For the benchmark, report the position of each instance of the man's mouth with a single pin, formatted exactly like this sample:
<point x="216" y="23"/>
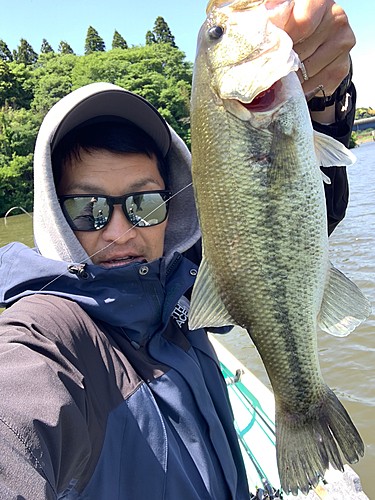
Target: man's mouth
<point x="120" y="261"/>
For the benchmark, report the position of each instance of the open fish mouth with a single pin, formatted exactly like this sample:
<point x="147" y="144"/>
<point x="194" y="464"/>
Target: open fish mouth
<point x="265" y="100"/>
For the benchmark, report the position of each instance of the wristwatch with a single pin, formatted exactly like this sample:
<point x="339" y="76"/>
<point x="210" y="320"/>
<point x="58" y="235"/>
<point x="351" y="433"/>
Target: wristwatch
<point x="321" y="103"/>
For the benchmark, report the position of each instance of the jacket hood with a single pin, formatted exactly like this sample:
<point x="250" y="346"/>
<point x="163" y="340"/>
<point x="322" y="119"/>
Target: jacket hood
<point x="53" y="236"/>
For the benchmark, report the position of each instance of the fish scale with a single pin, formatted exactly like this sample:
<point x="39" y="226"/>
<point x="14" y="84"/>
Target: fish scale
<point x="261" y="207"/>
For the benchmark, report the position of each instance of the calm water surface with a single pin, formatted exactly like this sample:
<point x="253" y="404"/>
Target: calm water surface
<point x="348" y="364"/>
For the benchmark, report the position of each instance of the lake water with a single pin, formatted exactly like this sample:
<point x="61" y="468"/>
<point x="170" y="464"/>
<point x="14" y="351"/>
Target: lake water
<point x="348" y="364"/>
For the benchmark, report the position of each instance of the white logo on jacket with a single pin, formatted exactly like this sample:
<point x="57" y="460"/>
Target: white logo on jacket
<point x="181" y="311"/>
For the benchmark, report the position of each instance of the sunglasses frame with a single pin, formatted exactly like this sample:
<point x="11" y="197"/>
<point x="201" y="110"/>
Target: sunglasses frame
<point x="111" y="201"/>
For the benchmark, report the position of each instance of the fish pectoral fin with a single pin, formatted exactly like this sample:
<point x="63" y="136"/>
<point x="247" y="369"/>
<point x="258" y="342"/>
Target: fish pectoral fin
<point x="344" y="306"/>
<point x="331" y="153"/>
<point x="206" y="307"/>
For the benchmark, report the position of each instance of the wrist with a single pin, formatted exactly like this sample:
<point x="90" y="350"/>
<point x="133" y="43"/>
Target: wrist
<point x="328" y="109"/>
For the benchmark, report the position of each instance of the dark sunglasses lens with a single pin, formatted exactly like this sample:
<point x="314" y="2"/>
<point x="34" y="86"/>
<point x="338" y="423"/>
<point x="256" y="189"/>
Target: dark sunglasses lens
<point x="86" y="213"/>
<point x="147" y="209"/>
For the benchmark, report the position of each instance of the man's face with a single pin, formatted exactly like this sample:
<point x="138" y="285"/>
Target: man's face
<point x="102" y="172"/>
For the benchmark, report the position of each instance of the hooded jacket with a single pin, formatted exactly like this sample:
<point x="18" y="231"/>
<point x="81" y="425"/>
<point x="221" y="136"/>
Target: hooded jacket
<point x="105" y="393"/>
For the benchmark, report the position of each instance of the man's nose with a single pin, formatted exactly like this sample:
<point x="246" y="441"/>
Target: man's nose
<point x="119" y="228"/>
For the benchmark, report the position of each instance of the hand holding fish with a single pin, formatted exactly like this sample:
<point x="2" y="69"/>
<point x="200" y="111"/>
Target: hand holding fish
<point x="322" y="38"/>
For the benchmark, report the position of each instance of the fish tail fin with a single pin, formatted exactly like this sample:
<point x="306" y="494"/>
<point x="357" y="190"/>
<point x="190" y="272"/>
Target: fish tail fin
<point x="306" y="444"/>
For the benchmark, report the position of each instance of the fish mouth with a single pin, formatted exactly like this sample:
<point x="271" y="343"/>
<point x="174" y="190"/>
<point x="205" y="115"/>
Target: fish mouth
<point x="265" y="100"/>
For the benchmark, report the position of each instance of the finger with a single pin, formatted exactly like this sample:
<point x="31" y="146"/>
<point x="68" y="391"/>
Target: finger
<point x="325" y="54"/>
<point x="329" y="64"/>
<point x="330" y="76"/>
<point x="334" y="26"/>
<point x="328" y="55"/>
<point x="307" y="15"/>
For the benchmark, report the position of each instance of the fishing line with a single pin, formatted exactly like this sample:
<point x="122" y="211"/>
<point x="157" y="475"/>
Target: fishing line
<point x="85" y="261"/>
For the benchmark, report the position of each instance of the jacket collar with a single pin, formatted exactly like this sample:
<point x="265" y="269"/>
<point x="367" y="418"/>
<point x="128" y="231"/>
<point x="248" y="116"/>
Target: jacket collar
<point x="138" y="297"/>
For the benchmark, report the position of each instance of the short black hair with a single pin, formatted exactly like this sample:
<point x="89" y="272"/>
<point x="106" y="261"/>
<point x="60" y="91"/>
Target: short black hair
<point x="117" y="136"/>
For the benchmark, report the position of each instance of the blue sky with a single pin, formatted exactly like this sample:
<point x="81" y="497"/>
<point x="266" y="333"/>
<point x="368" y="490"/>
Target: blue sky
<point x="69" y="19"/>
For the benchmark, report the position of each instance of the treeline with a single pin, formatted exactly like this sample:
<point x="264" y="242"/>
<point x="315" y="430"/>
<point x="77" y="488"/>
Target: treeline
<point x="358" y="136"/>
<point x="30" y="84"/>
<point x="24" y="53"/>
<point x="364" y="113"/>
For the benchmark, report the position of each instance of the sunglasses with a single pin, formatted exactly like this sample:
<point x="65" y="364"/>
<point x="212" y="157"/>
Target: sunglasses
<point x="92" y="212"/>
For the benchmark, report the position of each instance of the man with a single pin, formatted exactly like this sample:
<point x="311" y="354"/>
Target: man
<point x="105" y="393"/>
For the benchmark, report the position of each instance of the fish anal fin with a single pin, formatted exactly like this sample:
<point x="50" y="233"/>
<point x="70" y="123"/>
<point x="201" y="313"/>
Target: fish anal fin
<point x="206" y="308"/>
<point x="344" y="306"/>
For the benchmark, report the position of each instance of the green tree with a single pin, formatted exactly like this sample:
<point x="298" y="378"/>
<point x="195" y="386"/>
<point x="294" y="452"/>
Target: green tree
<point x="18" y="131"/>
<point x="157" y="72"/>
<point x="150" y="38"/>
<point x="353" y="141"/>
<point x="5" y="53"/>
<point x="7" y="83"/>
<point x="162" y="32"/>
<point x="16" y="183"/>
<point x="25" y="53"/>
<point x="16" y="87"/>
<point x="65" y="48"/>
<point x="118" y="41"/>
<point x="52" y="79"/>
<point x="25" y="84"/>
<point x="364" y="113"/>
<point x="46" y="47"/>
<point x="93" y="43"/>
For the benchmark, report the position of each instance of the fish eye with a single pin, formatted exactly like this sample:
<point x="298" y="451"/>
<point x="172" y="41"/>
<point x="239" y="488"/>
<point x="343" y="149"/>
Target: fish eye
<point x="215" y="32"/>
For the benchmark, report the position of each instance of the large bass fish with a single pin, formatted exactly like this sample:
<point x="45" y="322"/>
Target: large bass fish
<point x="260" y="198"/>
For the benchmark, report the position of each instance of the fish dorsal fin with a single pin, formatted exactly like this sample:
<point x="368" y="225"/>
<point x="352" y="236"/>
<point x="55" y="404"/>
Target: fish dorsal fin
<point x="344" y="306"/>
<point x="332" y="153"/>
<point x="206" y="308"/>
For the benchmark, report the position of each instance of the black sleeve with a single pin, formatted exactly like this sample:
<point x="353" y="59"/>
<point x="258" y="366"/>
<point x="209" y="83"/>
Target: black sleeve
<point x="44" y="435"/>
<point x="337" y="193"/>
